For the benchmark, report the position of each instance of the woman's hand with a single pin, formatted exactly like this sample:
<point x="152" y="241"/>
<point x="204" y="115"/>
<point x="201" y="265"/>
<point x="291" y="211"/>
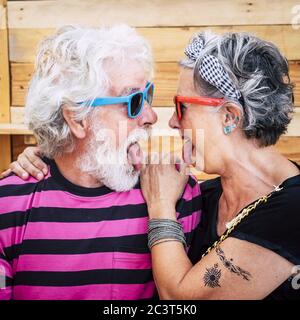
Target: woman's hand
<point x="28" y="163"/>
<point x="162" y="185"/>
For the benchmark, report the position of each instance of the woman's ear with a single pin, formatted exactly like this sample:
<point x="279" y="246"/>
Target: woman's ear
<point x="78" y="128"/>
<point x="231" y="115"/>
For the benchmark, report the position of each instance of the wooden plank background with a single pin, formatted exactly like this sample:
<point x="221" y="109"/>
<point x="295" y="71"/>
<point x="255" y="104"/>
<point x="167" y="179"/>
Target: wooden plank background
<point x="166" y="77"/>
<point x="154" y="13"/>
<point x="5" y="140"/>
<point x="167" y="25"/>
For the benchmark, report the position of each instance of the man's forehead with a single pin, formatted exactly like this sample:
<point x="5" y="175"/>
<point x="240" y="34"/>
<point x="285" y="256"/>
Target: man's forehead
<point x="127" y="78"/>
<point x="128" y="88"/>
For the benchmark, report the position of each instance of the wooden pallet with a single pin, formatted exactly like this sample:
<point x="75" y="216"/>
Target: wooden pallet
<point x="168" y="25"/>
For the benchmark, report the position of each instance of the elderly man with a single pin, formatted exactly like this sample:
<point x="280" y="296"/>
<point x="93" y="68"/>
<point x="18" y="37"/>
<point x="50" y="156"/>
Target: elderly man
<point x="81" y="233"/>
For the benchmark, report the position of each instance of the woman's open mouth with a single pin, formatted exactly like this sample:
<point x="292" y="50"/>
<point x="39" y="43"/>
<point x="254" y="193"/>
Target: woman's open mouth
<point x="188" y="151"/>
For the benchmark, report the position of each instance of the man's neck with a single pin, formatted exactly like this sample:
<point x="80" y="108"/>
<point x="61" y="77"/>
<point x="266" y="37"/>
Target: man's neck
<point x="67" y="167"/>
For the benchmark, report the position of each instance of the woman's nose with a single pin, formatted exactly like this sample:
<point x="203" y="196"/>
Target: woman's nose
<point x="173" y="122"/>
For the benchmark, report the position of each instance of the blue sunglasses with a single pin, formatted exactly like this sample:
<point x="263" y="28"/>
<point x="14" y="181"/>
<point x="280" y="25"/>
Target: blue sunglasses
<point x="135" y="101"/>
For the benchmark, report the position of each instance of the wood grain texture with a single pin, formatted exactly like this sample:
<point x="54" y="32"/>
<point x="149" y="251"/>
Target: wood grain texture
<point x="5" y="152"/>
<point x="41" y="14"/>
<point x="11" y="128"/>
<point x="166" y="78"/>
<point x="166" y="24"/>
<point x="5" y="141"/>
<point x="4" y="74"/>
<point x="3" y="11"/>
<point x="167" y="43"/>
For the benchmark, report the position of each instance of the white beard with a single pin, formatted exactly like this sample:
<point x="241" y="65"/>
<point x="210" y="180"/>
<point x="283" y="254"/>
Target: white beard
<point x="108" y="164"/>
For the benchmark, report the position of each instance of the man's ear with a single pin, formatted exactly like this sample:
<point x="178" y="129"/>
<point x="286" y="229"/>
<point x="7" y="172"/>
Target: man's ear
<point x="231" y="115"/>
<point x="78" y="128"/>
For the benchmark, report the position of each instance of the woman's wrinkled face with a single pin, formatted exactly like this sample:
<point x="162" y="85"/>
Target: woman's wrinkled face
<point x="200" y="126"/>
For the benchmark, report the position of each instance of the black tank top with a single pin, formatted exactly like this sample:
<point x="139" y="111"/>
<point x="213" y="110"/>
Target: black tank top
<point x="274" y="225"/>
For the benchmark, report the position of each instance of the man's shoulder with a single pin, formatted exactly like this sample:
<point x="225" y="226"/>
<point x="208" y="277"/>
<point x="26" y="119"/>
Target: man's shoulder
<point x="14" y="186"/>
<point x="191" y="197"/>
<point x="192" y="186"/>
<point x="210" y="186"/>
<point x="16" y="199"/>
<point x="192" y="181"/>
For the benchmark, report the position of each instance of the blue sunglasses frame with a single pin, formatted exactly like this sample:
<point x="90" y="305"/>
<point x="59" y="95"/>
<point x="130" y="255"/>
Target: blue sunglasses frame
<point x="99" y="102"/>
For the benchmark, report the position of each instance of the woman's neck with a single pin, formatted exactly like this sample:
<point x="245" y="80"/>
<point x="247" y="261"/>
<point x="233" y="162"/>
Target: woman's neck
<point x="248" y="176"/>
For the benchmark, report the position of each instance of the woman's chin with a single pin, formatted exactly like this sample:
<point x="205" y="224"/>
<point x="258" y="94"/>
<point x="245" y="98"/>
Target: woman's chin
<point x="198" y="163"/>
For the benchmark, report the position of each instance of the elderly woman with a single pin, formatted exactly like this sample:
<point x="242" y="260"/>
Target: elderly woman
<point x="235" y="90"/>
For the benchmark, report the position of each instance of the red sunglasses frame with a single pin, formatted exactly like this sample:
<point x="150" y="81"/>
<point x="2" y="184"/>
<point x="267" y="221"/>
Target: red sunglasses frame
<point x="205" y="101"/>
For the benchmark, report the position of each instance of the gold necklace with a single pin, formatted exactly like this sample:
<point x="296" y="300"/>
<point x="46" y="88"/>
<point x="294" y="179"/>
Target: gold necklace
<point x="236" y="220"/>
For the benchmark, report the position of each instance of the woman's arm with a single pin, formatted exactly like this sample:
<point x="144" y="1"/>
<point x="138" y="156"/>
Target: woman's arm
<point x="236" y="270"/>
<point x="28" y="164"/>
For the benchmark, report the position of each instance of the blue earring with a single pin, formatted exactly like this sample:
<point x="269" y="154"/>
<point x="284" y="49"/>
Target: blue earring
<point x="227" y="129"/>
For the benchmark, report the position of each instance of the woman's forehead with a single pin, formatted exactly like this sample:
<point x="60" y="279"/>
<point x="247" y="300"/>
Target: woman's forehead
<point x="186" y="82"/>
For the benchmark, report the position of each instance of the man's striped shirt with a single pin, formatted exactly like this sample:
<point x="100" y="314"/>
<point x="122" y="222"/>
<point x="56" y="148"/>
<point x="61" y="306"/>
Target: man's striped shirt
<point x="62" y="241"/>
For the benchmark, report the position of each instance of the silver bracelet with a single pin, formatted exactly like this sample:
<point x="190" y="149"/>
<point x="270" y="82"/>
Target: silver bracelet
<point x="161" y="229"/>
<point x="167" y="240"/>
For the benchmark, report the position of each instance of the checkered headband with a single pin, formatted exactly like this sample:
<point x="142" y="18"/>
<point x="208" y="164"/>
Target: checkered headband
<point x="211" y="70"/>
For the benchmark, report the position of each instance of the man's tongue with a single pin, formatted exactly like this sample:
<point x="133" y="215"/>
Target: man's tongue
<point x="135" y="156"/>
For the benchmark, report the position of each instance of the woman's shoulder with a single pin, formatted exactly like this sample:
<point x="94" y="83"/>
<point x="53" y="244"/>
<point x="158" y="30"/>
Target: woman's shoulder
<point x="275" y="224"/>
<point x="289" y="195"/>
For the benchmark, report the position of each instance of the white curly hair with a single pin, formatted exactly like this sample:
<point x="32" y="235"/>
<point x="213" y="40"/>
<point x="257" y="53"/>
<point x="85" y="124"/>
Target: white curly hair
<point x="69" y="68"/>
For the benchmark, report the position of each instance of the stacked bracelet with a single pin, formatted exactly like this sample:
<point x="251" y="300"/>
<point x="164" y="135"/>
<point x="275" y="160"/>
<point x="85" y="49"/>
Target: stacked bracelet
<point x="162" y="230"/>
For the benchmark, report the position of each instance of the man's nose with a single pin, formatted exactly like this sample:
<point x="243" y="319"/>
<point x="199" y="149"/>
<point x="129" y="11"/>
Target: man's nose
<point x="148" y="116"/>
<point x="173" y="122"/>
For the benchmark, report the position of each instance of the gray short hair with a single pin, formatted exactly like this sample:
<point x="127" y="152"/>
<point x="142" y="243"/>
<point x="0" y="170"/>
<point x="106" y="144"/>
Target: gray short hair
<point x="71" y="67"/>
<point x="260" y="72"/>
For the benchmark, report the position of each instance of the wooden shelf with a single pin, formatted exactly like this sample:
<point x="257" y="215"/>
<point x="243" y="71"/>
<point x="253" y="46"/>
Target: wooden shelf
<point x="9" y="128"/>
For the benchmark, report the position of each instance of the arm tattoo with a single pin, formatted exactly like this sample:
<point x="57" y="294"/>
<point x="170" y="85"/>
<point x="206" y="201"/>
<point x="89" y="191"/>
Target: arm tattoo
<point x="212" y="276"/>
<point x="231" y="267"/>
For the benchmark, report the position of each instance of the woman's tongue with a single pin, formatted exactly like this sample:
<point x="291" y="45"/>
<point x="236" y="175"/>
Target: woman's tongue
<point x="187" y="151"/>
<point x="135" y="156"/>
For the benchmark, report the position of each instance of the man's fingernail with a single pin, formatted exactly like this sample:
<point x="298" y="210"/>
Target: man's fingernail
<point x="24" y="175"/>
<point x="45" y="171"/>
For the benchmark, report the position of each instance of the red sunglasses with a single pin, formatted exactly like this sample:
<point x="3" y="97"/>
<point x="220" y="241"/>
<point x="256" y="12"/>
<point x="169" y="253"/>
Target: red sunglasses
<point x="204" y="101"/>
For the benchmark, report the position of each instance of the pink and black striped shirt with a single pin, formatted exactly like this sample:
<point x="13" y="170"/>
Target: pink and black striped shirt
<point x="62" y="241"/>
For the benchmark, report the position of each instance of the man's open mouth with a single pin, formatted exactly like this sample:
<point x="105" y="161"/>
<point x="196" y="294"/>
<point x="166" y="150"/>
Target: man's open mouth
<point x="135" y="155"/>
